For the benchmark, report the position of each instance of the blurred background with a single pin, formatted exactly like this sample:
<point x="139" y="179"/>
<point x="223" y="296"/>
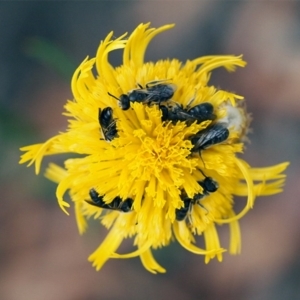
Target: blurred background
<point x="42" y="255"/>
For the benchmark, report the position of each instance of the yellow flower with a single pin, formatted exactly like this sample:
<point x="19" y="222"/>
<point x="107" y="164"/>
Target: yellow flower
<point x="165" y="168"/>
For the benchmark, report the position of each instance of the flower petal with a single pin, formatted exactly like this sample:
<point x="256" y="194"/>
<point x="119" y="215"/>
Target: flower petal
<point x="108" y="246"/>
<point x="138" y="42"/>
<point x="181" y="232"/>
<point x="150" y="263"/>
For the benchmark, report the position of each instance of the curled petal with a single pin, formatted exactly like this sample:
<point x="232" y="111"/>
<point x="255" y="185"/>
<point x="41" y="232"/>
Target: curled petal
<point x="250" y="193"/>
<point x="36" y="153"/>
<point x="269" y="173"/>
<point x="104" y="68"/>
<point x="150" y="263"/>
<point x="138" y="42"/>
<point x="62" y="187"/>
<point x="261" y="189"/>
<point x="80" y="219"/>
<point x="212" y="242"/>
<point x="209" y="63"/>
<point x="85" y="66"/>
<point x="235" y="236"/>
<point x="267" y="189"/>
<point x="180" y="231"/>
<point x="245" y="171"/>
<point x="138" y="252"/>
<point x="105" y="250"/>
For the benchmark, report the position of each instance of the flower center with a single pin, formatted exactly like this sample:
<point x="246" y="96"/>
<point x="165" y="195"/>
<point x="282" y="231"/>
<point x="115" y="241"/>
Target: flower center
<point x="160" y="150"/>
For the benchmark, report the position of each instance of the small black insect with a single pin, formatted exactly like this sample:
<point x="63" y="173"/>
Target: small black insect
<point x="209" y="186"/>
<point x="154" y="92"/>
<point x="107" y="123"/>
<point x="117" y="203"/>
<point x="209" y="136"/>
<point x="199" y="113"/>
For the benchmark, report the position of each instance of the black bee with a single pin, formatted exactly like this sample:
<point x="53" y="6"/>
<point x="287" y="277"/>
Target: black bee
<point x="209" y="136"/>
<point x="155" y="92"/>
<point x="209" y="186"/>
<point x="116" y="204"/>
<point x="107" y="123"/>
<point x="198" y="113"/>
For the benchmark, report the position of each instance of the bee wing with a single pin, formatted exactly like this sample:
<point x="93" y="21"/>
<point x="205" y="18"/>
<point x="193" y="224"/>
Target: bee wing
<point x="200" y="139"/>
<point x="112" y="124"/>
<point x="149" y="94"/>
<point x="217" y="135"/>
<point x="210" y="136"/>
<point x="187" y="116"/>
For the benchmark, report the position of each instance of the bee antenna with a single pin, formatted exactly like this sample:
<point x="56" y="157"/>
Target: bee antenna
<point x="190" y="103"/>
<point x="202" y="173"/>
<point x="113" y="96"/>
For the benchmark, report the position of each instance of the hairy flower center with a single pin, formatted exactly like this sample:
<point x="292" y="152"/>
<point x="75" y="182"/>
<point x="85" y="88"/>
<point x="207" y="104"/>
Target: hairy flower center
<point x="160" y="152"/>
<point x="163" y="153"/>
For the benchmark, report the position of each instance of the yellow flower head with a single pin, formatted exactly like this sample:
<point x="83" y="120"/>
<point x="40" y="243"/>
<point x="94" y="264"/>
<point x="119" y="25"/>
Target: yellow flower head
<point x="158" y="152"/>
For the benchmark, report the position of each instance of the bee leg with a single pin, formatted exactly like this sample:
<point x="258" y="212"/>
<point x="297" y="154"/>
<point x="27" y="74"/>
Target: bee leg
<point x="202" y="206"/>
<point x="189" y="220"/>
<point x="202" y="160"/>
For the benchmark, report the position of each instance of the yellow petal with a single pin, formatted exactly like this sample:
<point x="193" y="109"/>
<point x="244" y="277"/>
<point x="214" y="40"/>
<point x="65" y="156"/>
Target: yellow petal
<point x="138" y="42"/>
<point x="150" y="263"/>
<point x="104" y="251"/>
<point x="180" y="231"/>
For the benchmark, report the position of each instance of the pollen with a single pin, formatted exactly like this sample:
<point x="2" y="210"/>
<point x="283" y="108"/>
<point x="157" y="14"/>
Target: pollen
<point x="158" y="152"/>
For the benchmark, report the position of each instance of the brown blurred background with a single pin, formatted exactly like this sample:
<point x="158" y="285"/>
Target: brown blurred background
<point x="42" y="255"/>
